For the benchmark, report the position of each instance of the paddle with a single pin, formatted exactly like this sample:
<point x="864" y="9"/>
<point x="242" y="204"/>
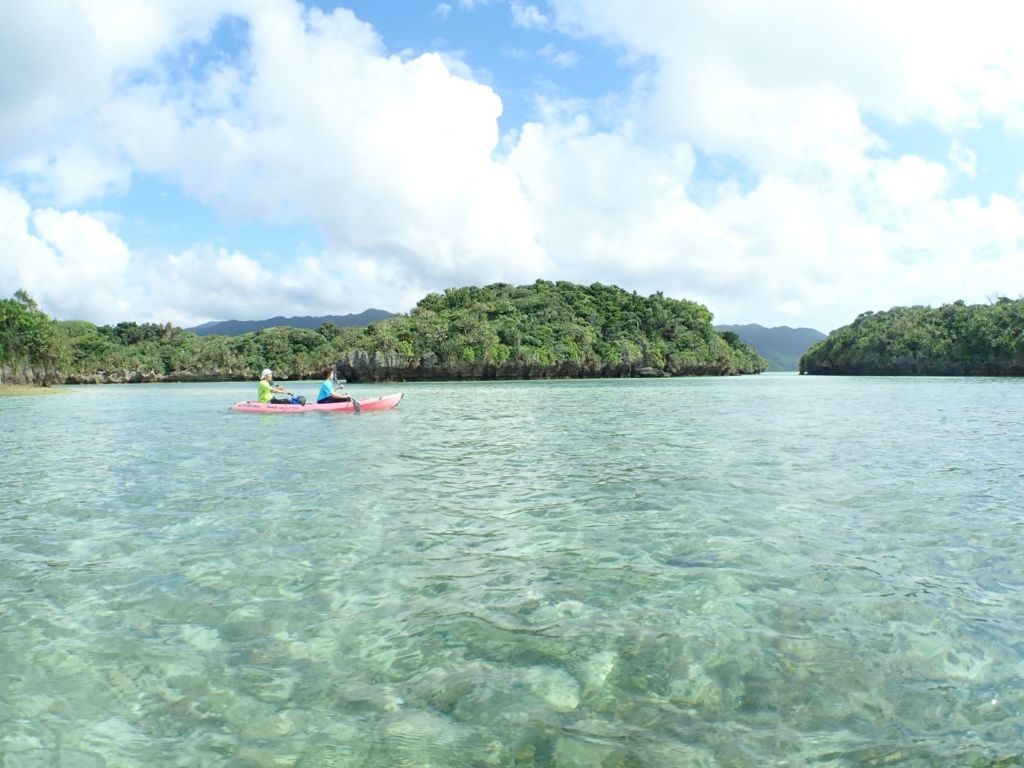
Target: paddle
<point x="355" y="403"/>
<point x="296" y="399"/>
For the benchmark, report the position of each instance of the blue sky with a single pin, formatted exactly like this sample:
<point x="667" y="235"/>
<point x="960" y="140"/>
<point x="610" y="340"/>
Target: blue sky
<point x="518" y="62"/>
<point x="795" y="164"/>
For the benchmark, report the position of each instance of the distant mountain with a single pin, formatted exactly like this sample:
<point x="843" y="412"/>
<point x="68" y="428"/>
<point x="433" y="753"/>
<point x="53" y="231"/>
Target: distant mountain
<point x="782" y="346"/>
<point x="238" y="327"/>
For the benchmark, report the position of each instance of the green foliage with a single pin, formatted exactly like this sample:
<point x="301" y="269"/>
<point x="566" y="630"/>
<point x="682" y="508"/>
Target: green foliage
<point x="328" y="330"/>
<point x="548" y="329"/>
<point x="27" y="335"/>
<point x="953" y="339"/>
<point x="571" y="329"/>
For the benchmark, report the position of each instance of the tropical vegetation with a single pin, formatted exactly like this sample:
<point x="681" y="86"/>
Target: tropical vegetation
<point x="29" y="337"/>
<point x="954" y="339"/>
<point x="547" y="329"/>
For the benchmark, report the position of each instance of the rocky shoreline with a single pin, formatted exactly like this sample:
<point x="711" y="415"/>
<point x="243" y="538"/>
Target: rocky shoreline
<point x="913" y="365"/>
<point x="361" y="366"/>
<point x="29" y="375"/>
<point x="366" y="367"/>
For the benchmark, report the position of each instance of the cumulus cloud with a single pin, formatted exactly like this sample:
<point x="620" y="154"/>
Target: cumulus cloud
<point x="398" y="162"/>
<point x="74" y="174"/>
<point x="386" y="155"/>
<point x="944" y="63"/>
<point x="559" y="58"/>
<point x="71" y="262"/>
<point x="393" y="159"/>
<point x="785" y="90"/>
<point x="77" y="267"/>
<point x="61" y="60"/>
<point x="528" y="16"/>
<point x="792" y="249"/>
<point x="963" y="159"/>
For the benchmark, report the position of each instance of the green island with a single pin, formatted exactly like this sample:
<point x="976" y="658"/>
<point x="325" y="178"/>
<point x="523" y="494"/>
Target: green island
<point x="952" y="340"/>
<point x="543" y="330"/>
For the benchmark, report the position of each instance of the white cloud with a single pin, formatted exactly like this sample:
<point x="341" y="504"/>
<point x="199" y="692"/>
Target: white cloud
<point x="786" y="87"/>
<point x="895" y="186"/>
<point x="564" y="59"/>
<point x="60" y="60"/>
<point x="528" y="16"/>
<point x="77" y="268"/>
<point x="941" y="62"/>
<point x="66" y="260"/>
<point x="785" y="90"/>
<point x="782" y="252"/>
<point x="74" y="174"/>
<point x="206" y="282"/>
<point x="392" y="158"/>
<point x="963" y="159"/>
<point x="443" y="10"/>
<point x="387" y="156"/>
<point x="398" y="162"/>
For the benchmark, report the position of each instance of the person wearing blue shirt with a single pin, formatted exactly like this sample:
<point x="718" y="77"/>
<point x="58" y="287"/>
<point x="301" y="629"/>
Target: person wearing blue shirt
<point x="328" y="390"/>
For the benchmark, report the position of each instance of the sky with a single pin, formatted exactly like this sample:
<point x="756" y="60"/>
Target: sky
<point x="788" y="163"/>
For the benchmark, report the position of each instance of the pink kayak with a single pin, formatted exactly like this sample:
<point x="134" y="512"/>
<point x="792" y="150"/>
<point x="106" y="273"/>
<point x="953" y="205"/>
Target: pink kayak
<point x="369" y="404"/>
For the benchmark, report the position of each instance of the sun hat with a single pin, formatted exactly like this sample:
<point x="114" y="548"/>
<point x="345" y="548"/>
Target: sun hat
<point x="266" y="372"/>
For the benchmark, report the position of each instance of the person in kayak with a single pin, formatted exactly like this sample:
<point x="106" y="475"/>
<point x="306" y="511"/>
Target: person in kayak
<point x="268" y="387"/>
<point x="329" y="390"/>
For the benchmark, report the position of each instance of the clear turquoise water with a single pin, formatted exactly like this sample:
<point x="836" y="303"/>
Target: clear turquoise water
<point x="772" y="570"/>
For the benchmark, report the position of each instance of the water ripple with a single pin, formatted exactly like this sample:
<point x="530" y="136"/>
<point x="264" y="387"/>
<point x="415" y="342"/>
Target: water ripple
<point x="771" y="570"/>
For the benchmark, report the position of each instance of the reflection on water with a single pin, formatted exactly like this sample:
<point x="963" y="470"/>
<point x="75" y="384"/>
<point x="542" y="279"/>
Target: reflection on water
<point x="760" y="571"/>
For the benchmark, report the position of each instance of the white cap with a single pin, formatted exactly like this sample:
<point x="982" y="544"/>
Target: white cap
<point x="266" y="372"/>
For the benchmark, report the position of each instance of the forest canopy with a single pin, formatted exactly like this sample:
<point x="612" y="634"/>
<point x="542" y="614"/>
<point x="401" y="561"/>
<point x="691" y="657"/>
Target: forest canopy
<point x="546" y="329"/>
<point x="954" y="339"/>
<point x="28" y="335"/>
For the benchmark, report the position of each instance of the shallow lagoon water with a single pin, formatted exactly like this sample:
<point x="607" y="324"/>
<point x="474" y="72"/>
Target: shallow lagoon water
<point x="772" y="570"/>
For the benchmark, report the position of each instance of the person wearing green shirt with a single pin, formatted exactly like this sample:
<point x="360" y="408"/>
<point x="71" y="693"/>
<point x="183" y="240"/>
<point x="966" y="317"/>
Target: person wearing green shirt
<point x="267" y="388"/>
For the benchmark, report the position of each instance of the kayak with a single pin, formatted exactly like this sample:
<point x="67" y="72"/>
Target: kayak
<point x="384" y="403"/>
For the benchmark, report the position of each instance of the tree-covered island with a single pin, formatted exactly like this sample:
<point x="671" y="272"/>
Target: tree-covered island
<point x="543" y="330"/>
<point x="952" y="340"/>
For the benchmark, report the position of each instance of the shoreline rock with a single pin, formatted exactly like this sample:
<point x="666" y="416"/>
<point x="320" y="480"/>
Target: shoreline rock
<point x="914" y="365"/>
<point x="360" y="366"/>
<point x="29" y="375"/>
<point x="375" y="367"/>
